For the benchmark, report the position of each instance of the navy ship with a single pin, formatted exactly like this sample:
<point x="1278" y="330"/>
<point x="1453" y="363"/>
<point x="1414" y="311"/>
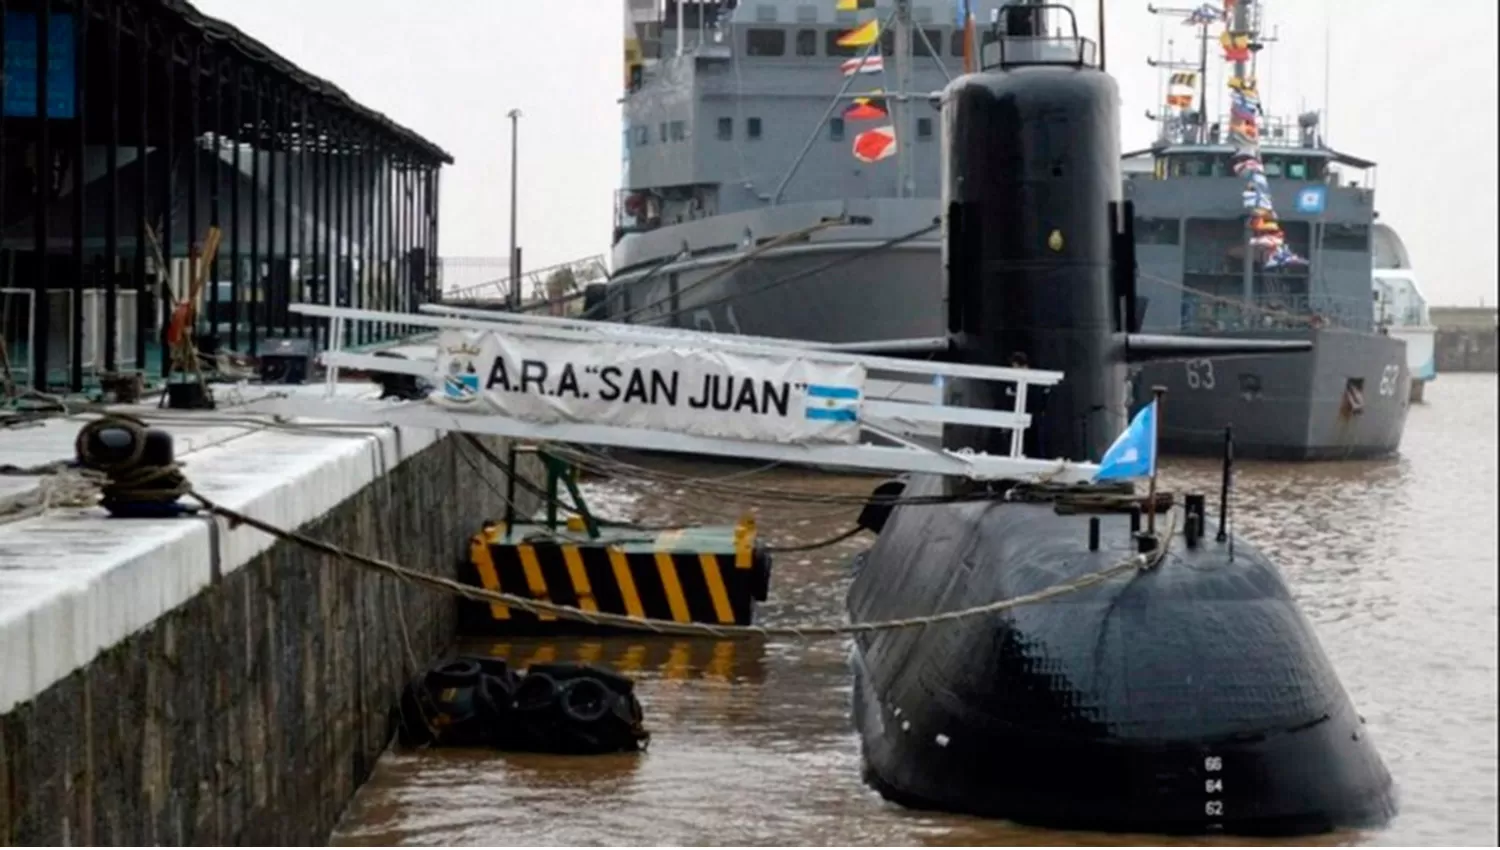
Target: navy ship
<point x="1254" y="225"/>
<point x="1189" y="695"/>
<point x="749" y="206"/>
<point x="780" y="173"/>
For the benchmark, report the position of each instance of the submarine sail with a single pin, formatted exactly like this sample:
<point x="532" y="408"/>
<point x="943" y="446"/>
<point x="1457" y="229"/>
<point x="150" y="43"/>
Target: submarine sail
<point x="1192" y="697"/>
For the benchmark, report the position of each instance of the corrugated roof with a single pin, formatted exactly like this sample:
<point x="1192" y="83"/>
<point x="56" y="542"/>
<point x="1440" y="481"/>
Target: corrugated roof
<point x="226" y="34"/>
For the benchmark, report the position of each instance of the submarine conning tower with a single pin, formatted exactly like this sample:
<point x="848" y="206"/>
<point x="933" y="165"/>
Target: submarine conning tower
<point x="1038" y="248"/>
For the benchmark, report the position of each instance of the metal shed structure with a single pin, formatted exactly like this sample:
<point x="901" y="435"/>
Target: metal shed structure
<point x="159" y="123"/>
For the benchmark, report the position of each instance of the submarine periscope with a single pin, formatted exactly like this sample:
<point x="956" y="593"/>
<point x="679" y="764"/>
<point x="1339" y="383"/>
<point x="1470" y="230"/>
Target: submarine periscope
<point x="1191" y="697"/>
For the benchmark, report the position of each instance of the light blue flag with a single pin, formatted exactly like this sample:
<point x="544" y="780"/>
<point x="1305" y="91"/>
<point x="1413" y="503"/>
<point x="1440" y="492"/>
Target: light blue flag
<point x="1133" y="454"/>
<point x="960" y="13"/>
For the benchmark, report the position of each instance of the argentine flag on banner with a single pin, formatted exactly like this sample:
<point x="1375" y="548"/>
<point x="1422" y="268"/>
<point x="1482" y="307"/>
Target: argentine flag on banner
<point x="1133" y="454"/>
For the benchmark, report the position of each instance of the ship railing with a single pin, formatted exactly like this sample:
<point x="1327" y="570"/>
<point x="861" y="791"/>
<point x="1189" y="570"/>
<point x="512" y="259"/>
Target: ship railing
<point x="825" y="423"/>
<point x="474" y="279"/>
<point x="1006" y="50"/>
<point x="1207" y="312"/>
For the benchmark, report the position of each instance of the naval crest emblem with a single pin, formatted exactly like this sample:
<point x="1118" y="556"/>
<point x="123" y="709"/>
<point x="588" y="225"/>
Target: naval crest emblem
<point x="458" y="369"/>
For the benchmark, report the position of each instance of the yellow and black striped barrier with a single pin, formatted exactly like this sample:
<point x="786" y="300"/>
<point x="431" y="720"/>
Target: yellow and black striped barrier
<point x="705" y="574"/>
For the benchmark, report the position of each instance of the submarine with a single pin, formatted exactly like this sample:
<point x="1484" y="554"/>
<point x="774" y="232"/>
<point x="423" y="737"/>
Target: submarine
<point x="1189" y="698"/>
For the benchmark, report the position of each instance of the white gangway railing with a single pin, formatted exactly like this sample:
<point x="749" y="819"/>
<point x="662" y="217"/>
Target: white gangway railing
<point x="547" y="378"/>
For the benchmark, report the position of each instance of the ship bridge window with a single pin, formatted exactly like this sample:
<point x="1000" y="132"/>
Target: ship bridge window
<point x="726" y="128"/>
<point x="807" y="42"/>
<point x="642" y="135"/>
<point x="1346" y="237"/>
<point x="1275" y="166"/>
<point x="752" y="127"/>
<point x="831" y="46"/>
<point x="835" y="129"/>
<point x="1200" y="165"/>
<point x="679" y="131"/>
<point x="763" y="41"/>
<point x="1157" y="231"/>
<point x="924" y="128"/>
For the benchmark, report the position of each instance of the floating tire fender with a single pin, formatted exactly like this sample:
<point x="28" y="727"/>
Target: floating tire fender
<point x="537" y="692"/>
<point x="586" y="700"/>
<point x="459" y="673"/>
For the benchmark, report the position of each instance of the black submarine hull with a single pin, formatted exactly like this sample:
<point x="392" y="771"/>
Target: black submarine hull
<point x="1190" y="698"/>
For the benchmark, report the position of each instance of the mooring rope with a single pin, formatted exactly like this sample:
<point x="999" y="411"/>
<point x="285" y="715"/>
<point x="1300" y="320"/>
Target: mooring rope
<point x="132" y="479"/>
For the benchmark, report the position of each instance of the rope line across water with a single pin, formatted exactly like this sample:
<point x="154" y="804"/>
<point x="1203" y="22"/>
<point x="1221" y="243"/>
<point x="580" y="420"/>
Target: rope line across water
<point x="132" y="480"/>
<point x="1135" y="563"/>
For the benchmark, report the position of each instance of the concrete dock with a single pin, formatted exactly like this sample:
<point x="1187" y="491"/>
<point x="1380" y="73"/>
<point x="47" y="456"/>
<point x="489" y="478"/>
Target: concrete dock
<point x="179" y="681"/>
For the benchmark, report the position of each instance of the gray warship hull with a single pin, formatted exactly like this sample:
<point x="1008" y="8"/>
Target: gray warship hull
<point x="1346" y="399"/>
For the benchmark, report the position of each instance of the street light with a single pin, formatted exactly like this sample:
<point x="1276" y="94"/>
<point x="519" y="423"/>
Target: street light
<point x="515" y="257"/>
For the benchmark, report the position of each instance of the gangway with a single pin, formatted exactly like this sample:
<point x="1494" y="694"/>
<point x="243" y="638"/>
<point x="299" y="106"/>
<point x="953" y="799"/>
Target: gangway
<point x="545" y="378"/>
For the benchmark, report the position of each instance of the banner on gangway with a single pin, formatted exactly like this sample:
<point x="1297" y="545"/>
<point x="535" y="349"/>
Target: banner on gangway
<point x="666" y="387"/>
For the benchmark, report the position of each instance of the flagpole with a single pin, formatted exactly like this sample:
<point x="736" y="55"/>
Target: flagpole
<point x="1159" y="392"/>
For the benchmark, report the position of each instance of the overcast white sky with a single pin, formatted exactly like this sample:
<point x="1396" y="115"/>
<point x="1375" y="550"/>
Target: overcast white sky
<point x="1412" y="89"/>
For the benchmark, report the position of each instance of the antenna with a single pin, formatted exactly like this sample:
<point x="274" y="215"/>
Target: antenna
<point x="1225" y="481"/>
<point x="1201" y="66"/>
<point x="1327" y="63"/>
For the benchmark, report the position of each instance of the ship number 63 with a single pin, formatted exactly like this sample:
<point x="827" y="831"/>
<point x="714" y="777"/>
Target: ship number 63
<point x="1200" y="374"/>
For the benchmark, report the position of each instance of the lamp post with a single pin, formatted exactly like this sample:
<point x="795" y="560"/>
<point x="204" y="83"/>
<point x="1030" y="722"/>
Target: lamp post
<point x="515" y="258"/>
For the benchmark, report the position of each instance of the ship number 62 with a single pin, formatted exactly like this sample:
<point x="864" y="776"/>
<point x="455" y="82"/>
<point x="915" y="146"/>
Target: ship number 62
<point x="1388" y="379"/>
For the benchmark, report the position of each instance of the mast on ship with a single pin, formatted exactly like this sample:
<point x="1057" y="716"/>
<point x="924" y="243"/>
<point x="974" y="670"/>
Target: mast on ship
<point x="900" y="112"/>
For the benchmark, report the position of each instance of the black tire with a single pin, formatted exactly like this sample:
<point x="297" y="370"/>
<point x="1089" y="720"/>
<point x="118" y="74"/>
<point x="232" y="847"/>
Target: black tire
<point x="496" y="696"/>
<point x="585" y="701"/>
<point x="496" y="667"/>
<point x="628" y="709"/>
<point x="459" y="673"/>
<point x="566" y="672"/>
<point x="536" y="693"/>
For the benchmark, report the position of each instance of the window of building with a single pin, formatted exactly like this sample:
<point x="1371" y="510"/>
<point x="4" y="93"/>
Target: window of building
<point x="807" y="42"/>
<point x="761" y="41"/>
<point x="1157" y="231"/>
<point x="924" y="128"/>
<point x="1346" y="237"/>
<point x="679" y="131"/>
<point x="831" y="44"/>
<point x="835" y="129"/>
<point x="752" y="127"/>
<point x="726" y="128"/>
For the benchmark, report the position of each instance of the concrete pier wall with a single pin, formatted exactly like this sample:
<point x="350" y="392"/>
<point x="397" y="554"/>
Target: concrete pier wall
<point x="251" y="710"/>
<point x="1467" y="350"/>
<point x="1466" y="339"/>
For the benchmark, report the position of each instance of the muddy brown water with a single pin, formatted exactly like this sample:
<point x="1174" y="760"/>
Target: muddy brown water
<point x="1394" y="561"/>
